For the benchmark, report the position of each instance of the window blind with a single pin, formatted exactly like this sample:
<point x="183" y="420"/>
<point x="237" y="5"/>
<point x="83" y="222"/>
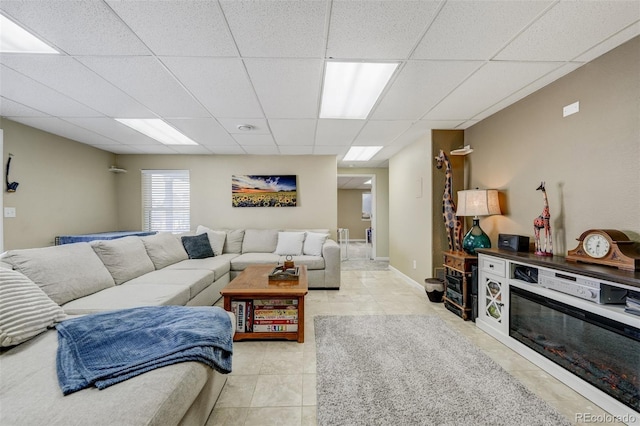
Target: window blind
<point x="166" y="200"/>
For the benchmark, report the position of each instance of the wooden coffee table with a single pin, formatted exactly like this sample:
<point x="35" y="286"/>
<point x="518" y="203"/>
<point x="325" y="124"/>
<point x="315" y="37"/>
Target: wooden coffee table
<point x="253" y="284"/>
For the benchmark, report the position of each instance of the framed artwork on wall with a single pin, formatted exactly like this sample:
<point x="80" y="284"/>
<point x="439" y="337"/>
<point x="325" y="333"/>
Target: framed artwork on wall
<point x="264" y="191"/>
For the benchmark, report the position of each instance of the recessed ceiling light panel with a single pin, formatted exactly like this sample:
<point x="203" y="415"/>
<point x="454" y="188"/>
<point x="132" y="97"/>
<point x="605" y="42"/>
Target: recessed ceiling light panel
<point x="157" y="129"/>
<point x="15" y="39"/>
<point x="351" y="89"/>
<point x="361" y="153"/>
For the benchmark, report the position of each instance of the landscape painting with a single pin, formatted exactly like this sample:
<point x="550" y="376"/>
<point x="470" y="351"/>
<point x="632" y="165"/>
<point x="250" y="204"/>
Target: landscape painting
<point x="263" y="190"/>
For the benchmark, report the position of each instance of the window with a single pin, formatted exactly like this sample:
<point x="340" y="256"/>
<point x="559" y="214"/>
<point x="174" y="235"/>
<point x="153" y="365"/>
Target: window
<point x="166" y="200"/>
<point x="366" y="206"/>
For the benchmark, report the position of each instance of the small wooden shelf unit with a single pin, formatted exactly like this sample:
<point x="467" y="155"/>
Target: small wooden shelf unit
<point x="457" y="269"/>
<point x="254" y="284"/>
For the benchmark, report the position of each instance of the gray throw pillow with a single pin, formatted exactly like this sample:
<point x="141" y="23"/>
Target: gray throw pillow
<point x="198" y="246"/>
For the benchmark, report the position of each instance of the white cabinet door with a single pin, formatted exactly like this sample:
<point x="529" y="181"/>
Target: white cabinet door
<point x="493" y="294"/>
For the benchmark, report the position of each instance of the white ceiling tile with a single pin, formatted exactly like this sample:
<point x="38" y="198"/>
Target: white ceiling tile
<point x="205" y="131"/>
<point x="10" y="108"/>
<point x="476" y="29"/>
<point x="111" y="128"/>
<point x="293" y="132"/>
<point x="227" y="150"/>
<point x="161" y="26"/>
<point x="421" y="85"/>
<point x="287" y="88"/>
<point x="337" y="132"/>
<point x="418" y="130"/>
<point x="490" y="84"/>
<point x="377" y="30"/>
<point x="260" y="126"/>
<point x="277" y="29"/>
<point x="146" y="80"/>
<point x="254" y="140"/>
<point x="330" y="149"/>
<point x="610" y="43"/>
<point x="571" y="28"/>
<point x="23" y="90"/>
<point x="222" y="85"/>
<point x="527" y="90"/>
<point x="156" y="149"/>
<point x="76" y="27"/>
<point x="120" y="149"/>
<point x="442" y="124"/>
<point x="65" y="129"/>
<point x="66" y="75"/>
<point x="295" y="150"/>
<point x="380" y="133"/>
<point x="468" y="124"/>
<point x="261" y="150"/>
<point x="191" y="149"/>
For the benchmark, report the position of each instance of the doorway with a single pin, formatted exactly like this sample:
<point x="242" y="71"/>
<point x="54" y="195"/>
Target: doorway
<point x="357" y="216"/>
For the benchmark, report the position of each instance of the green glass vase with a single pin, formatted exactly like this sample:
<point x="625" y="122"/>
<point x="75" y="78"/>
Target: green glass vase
<point x="475" y="238"/>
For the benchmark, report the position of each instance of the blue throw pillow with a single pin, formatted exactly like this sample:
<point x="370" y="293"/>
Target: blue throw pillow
<point x="198" y="247"/>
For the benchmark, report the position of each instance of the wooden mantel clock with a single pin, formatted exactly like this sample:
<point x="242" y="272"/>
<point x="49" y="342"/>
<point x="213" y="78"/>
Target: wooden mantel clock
<point x="606" y="247"/>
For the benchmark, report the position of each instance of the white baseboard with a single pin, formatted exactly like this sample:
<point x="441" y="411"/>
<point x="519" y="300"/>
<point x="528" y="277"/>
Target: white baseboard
<point x="408" y="279"/>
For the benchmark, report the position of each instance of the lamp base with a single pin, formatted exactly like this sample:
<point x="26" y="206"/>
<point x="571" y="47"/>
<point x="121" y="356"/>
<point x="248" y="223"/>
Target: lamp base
<point x="475" y="239"/>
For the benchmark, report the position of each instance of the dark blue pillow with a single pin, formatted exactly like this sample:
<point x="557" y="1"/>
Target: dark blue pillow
<point x="198" y="246"/>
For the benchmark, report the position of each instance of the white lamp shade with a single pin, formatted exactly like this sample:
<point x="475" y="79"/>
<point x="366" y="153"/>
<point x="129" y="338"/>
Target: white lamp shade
<point x="478" y="202"/>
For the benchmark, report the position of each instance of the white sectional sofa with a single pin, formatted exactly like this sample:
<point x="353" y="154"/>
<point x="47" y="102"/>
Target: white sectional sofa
<point x="98" y="276"/>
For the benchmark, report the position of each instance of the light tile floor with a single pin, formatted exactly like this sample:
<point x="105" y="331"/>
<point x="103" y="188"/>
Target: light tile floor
<point x="274" y="382"/>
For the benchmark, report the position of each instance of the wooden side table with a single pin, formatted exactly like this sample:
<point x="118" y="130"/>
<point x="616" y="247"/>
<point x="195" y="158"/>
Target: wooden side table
<point x="458" y="269"/>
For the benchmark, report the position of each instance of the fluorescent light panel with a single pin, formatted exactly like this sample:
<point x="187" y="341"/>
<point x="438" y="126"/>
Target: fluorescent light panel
<point x="351" y="89"/>
<point x="15" y="39"/>
<point x="158" y="130"/>
<point x="361" y="153"/>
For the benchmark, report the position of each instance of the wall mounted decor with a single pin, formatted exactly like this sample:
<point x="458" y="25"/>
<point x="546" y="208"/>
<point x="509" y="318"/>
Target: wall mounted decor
<point x="11" y="186"/>
<point x="264" y="191"/>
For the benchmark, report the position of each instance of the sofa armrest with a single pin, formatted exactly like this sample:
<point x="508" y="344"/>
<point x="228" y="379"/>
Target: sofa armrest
<point x="331" y="254"/>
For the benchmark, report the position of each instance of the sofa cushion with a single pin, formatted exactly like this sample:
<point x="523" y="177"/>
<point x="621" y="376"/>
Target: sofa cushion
<point x="290" y="243"/>
<point x="49" y="268"/>
<point x="260" y="241"/>
<point x="313" y="243"/>
<point x="194" y="279"/>
<point x="164" y="249"/>
<point x="128" y="296"/>
<point x="241" y="262"/>
<point x="198" y="246"/>
<point x="216" y="238"/>
<point x="233" y="242"/>
<point x="25" y="310"/>
<point x="219" y="265"/>
<point x="31" y="394"/>
<point x="125" y="258"/>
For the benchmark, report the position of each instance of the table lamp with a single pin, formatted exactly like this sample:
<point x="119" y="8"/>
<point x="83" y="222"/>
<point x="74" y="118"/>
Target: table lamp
<point x="477" y="202"/>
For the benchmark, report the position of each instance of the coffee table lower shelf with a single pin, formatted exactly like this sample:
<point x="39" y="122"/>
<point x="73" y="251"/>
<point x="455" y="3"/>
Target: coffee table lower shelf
<point x="264" y="335"/>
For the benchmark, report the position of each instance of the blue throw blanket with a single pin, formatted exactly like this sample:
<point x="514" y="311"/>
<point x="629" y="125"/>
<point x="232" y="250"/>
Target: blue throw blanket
<point x="104" y="349"/>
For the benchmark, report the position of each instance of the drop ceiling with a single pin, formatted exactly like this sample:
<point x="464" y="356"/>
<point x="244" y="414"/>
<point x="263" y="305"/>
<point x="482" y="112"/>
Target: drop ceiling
<point x="207" y="67"/>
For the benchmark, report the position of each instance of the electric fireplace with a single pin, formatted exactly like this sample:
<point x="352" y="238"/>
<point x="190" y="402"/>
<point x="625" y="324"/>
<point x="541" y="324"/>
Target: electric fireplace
<point x="602" y="352"/>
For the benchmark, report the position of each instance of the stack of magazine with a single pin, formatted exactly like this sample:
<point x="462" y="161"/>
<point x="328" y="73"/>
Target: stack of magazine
<point x="633" y="302"/>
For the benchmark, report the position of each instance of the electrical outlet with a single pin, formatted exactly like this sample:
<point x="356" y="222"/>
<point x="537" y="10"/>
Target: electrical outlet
<point x="415" y="264"/>
<point x="9" y="212"/>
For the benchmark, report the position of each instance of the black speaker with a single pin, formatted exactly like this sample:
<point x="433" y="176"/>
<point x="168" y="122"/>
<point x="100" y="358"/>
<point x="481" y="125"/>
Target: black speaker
<point x="513" y="242"/>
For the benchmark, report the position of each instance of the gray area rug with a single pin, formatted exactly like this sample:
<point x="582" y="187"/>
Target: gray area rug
<point x="414" y="370"/>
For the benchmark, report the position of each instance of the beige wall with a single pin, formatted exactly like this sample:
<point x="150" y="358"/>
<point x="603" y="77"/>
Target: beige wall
<point x="211" y="190"/>
<point x="350" y="213"/>
<point x="411" y="209"/>
<point x="590" y="161"/>
<point x="65" y="187"/>
<point x="380" y="221"/>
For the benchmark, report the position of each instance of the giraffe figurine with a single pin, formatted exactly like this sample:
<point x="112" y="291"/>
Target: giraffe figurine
<point x="452" y="224"/>
<point x="543" y="222"/>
